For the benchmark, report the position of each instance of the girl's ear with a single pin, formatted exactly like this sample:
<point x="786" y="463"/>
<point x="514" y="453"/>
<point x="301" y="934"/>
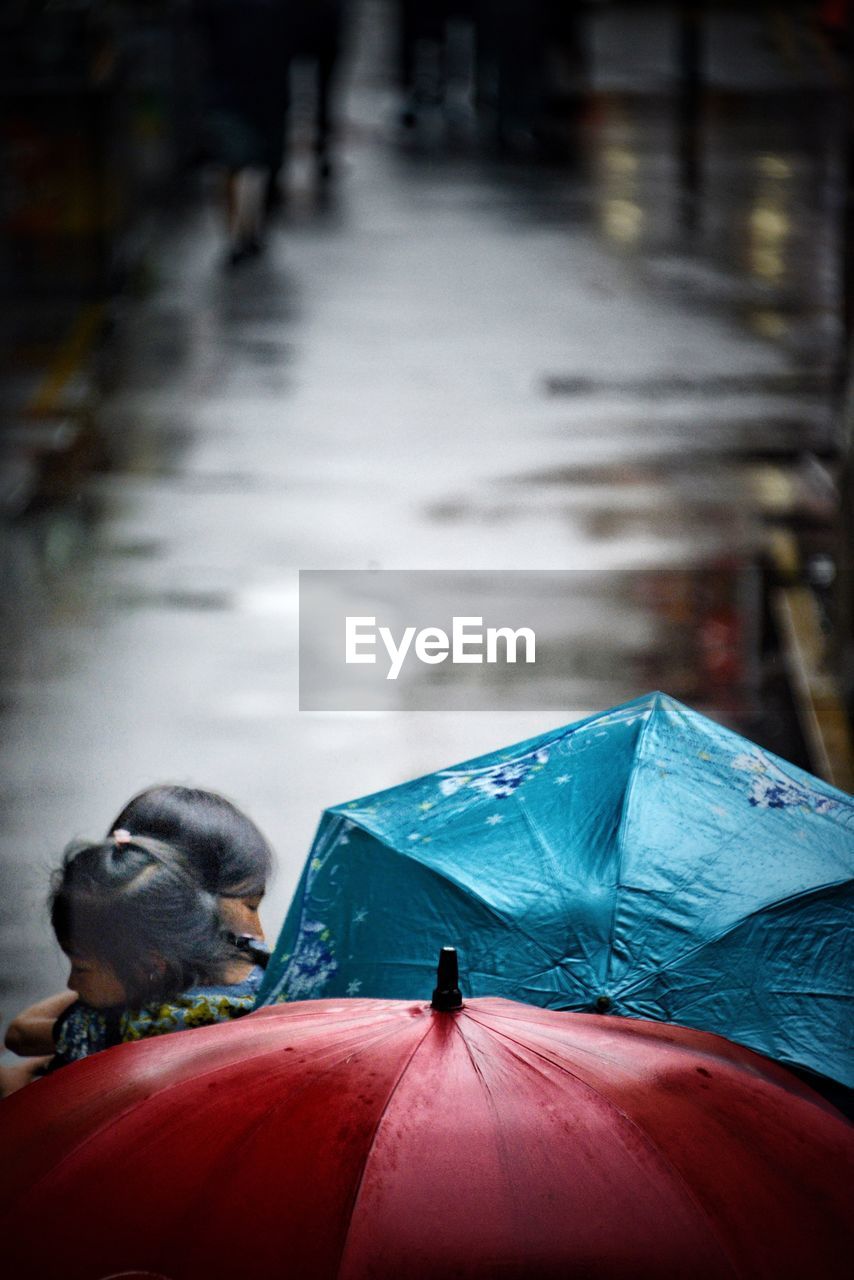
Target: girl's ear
<point x="155" y="966"/>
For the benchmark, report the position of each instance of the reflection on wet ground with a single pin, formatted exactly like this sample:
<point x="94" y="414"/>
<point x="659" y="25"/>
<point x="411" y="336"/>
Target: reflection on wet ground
<point x="462" y="365"/>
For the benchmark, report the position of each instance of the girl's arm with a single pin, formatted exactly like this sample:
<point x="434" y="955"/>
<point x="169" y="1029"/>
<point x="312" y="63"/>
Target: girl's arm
<point x="31" y="1033"/>
<point x="14" y="1078"/>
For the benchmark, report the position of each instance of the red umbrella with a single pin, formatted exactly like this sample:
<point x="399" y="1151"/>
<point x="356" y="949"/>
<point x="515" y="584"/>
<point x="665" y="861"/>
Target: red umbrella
<point x="356" y="1138"/>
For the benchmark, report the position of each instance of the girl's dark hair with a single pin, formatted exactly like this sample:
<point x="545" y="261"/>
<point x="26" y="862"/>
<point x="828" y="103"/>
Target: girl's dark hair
<point x="224" y="847"/>
<point x="138" y="907"/>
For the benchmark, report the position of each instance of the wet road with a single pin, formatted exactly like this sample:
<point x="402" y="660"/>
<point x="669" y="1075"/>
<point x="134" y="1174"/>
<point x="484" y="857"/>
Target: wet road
<point x="455" y="364"/>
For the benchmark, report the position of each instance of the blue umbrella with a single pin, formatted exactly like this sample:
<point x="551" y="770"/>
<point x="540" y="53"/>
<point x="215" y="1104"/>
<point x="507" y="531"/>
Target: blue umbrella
<point x="644" y="862"/>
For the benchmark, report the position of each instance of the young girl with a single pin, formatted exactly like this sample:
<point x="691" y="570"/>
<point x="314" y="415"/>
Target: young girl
<point x="227" y="851"/>
<point x="147" y="953"/>
<point x="228" y="855"/>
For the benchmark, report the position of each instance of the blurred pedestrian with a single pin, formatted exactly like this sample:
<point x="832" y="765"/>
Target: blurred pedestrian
<point x="427" y="59"/>
<point x="247" y="57"/>
<point x="421" y="37"/>
<point x="531" y="60"/>
<point x="316" y="29"/>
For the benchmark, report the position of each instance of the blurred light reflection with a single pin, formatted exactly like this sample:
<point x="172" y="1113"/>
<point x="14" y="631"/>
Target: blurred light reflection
<point x="769" y="223"/>
<point x="622" y="217"/>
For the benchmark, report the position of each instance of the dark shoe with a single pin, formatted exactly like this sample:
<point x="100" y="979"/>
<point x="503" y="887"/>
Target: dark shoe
<point x="242" y="251"/>
<point x="274" y="197"/>
<point x="234" y="257"/>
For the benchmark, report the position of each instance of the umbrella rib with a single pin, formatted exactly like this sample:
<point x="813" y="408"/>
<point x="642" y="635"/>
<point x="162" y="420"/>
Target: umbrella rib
<point x="280" y="983"/>
<point x="441" y="819"/>
<point x="129" y="1109"/>
<point x="550" y="857"/>
<point x="189" y="1081"/>
<point x="264" y="1120"/>
<point x="621" y="837"/>
<point x="467" y="890"/>
<point x="741" y="834"/>
<point x="689" y="876"/>
<point x="357" y="1190"/>
<point x="507" y="1151"/>
<point x="596" y="1054"/>
<point x="644" y="1136"/>
<point x="648" y="977"/>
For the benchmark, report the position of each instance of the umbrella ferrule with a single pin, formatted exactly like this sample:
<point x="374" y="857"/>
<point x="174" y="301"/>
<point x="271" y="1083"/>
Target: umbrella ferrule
<point x="447" y="995"/>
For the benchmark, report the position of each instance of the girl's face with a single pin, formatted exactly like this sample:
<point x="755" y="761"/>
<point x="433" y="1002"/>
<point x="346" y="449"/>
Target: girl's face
<point x="95" y="982"/>
<point x="239" y="913"/>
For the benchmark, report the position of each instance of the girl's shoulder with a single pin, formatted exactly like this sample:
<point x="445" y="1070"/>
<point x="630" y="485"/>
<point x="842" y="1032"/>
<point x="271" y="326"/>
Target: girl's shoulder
<point x="197" y="1007"/>
<point x="83" y="1030"/>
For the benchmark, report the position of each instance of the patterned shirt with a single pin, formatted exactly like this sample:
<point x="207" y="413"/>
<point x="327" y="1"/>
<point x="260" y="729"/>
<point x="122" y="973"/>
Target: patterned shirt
<point x="83" y="1030"/>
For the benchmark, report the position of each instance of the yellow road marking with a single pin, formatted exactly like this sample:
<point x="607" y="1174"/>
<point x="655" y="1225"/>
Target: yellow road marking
<point x="68" y="359"/>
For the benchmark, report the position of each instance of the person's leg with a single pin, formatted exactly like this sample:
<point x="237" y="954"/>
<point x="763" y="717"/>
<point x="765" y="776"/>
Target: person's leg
<point x="239" y="220"/>
<point x="326" y="66"/>
<point x="247" y="226"/>
<point x="231" y="203"/>
<point x="277" y="147"/>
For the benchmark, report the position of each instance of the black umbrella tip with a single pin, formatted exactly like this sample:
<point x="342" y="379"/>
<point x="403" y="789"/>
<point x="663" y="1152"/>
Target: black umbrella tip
<point x="447" y="995"/>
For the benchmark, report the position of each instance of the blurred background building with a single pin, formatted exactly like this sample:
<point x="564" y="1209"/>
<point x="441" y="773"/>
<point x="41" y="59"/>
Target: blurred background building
<point x="542" y="285"/>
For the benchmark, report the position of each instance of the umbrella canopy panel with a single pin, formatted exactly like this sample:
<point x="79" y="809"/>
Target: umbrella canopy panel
<point x="645" y="861"/>
<point x="365" y="1138"/>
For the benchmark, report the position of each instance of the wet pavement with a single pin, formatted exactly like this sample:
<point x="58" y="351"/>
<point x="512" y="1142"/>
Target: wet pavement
<point x="453" y="363"/>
